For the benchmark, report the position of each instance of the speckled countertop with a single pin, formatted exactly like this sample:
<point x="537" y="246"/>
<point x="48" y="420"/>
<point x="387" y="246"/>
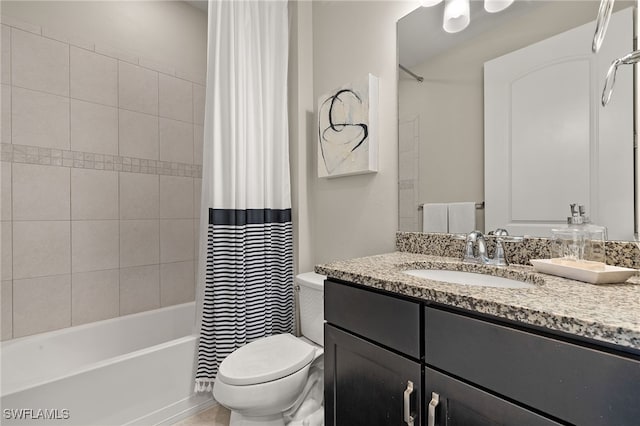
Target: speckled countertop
<point x="608" y="312"/>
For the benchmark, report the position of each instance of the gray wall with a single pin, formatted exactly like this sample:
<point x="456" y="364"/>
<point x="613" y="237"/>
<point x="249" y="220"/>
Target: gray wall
<point x="356" y="215"/>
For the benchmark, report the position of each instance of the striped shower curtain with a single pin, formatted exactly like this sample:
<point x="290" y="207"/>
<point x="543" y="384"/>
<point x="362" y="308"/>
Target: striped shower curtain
<point x="246" y="243"/>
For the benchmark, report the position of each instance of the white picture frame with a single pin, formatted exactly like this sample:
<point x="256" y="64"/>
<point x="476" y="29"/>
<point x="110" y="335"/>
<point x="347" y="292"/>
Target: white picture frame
<point x="348" y="129"/>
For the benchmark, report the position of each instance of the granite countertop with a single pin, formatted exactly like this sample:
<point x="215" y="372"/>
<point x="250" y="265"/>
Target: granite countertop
<point x="608" y="312"/>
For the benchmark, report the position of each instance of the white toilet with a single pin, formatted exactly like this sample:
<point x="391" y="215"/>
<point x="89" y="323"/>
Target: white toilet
<point x="262" y="380"/>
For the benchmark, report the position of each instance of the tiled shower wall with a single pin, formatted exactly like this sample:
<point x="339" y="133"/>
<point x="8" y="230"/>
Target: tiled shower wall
<point x="101" y="177"/>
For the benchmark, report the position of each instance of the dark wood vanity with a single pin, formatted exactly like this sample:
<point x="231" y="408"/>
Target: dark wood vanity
<point x="392" y="359"/>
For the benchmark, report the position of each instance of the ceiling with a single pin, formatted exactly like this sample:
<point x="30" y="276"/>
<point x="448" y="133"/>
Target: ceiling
<point x="198" y="4"/>
<point x="420" y="33"/>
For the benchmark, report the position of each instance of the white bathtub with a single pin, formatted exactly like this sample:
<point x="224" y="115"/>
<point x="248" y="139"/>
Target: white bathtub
<point x="136" y="369"/>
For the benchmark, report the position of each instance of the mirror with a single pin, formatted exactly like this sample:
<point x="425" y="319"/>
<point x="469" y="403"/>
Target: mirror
<point x="442" y="119"/>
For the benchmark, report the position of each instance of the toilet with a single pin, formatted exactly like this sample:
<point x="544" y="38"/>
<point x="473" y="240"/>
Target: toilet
<point x="274" y="381"/>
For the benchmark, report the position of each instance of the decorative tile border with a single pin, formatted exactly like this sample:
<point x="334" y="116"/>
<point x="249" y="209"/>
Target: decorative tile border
<point x="87" y="160"/>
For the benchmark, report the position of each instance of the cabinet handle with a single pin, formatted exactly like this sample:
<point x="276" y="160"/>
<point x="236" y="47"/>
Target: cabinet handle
<point x="408" y="418"/>
<point x="435" y="400"/>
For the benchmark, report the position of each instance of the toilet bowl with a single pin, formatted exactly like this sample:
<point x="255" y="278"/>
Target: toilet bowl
<point x="261" y="380"/>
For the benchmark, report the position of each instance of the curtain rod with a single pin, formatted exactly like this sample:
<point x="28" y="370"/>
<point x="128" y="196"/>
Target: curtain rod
<point x="411" y="73"/>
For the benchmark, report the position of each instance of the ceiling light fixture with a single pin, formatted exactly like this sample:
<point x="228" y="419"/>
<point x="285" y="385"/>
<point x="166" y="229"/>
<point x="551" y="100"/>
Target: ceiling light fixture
<point x="456" y="15"/>
<point x="493" y="6"/>
<point x="429" y="3"/>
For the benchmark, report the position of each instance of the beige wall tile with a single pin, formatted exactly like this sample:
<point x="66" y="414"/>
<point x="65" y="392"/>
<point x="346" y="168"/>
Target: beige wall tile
<point x="176" y="141"/>
<point x="94" y="194"/>
<point x="176" y="98"/>
<point x="5" y="41"/>
<point x="6" y="305"/>
<point x="41" y="248"/>
<point x="139" y="243"/>
<point x="164" y="68"/>
<point x="41" y="304"/>
<point x="137" y="88"/>
<point x="39" y="63"/>
<point x="138" y="135"/>
<point x="18" y="23"/>
<point x="196" y="244"/>
<point x="176" y="197"/>
<point x="118" y="53"/>
<point x="6" y="250"/>
<point x="139" y="289"/>
<point x="177" y="283"/>
<point x="199" y="96"/>
<point x="95" y="296"/>
<point x="41" y="192"/>
<point x="39" y="119"/>
<point x="5" y="190"/>
<point x="94" y="245"/>
<point x="198" y="142"/>
<point x="94" y="77"/>
<point x="5" y="94"/>
<point x="139" y="196"/>
<point x="197" y="194"/>
<point x="94" y="128"/>
<point x="176" y="240"/>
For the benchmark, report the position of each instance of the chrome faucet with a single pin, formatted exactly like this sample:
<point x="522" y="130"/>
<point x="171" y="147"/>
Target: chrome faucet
<point x="476" y="239"/>
<point x="499" y="258"/>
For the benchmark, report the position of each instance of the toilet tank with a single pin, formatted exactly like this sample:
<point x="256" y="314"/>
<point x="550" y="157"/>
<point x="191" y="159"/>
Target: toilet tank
<point x="311" y="301"/>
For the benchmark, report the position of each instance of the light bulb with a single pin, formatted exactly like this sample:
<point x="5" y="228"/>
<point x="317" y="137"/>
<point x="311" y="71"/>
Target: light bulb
<point x="429" y="3"/>
<point x="456" y="15"/>
<point x="493" y="6"/>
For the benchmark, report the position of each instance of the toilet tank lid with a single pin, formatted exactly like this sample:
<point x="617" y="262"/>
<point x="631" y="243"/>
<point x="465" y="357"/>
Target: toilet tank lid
<point x="312" y="280"/>
<point x="264" y="360"/>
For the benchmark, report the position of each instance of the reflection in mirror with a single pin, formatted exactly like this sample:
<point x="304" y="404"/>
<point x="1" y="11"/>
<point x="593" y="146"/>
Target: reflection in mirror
<point x="442" y="120"/>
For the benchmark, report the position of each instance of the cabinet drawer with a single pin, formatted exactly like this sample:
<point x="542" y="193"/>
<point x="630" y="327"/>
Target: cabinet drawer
<point x="387" y="320"/>
<point x="573" y="383"/>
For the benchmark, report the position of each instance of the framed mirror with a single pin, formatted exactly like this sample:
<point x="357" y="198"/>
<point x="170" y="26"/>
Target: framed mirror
<point x="551" y="150"/>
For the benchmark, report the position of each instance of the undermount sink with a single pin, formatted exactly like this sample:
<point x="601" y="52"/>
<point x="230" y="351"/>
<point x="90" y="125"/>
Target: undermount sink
<point x="467" y="278"/>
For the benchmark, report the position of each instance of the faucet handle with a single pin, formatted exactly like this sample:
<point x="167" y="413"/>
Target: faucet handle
<point x="499" y="257"/>
<point x="500" y="232"/>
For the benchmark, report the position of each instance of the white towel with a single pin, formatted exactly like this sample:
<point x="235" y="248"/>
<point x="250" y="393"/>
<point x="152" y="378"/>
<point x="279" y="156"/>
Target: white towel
<point x="462" y="217"/>
<point x="434" y="217"/>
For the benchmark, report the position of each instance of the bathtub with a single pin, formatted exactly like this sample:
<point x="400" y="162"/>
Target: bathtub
<point x="136" y="369"/>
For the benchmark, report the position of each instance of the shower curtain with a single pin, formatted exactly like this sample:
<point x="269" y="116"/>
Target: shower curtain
<point x="246" y="245"/>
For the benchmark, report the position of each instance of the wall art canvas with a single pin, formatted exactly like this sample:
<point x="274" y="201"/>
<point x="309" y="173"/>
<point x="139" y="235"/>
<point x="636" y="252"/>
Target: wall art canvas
<point x="347" y="129"/>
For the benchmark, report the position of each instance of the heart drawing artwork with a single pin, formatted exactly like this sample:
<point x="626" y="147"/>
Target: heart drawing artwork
<point x="347" y="129"/>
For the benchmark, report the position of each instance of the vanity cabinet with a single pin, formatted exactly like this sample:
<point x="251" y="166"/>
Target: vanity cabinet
<point x="366" y="384"/>
<point x="372" y="356"/>
<point x="466" y="369"/>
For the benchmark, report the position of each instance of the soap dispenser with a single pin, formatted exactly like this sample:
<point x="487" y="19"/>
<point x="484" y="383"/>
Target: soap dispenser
<point x="595" y="238"/>
<point x="580" y="240"/>
<point x="568" y="243"/>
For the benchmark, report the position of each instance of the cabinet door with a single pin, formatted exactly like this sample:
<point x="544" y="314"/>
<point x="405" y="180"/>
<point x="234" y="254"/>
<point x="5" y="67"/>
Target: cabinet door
<point x="460" y="404"/>
<point x="577" y="384"/>
<point x="366" y="385"/>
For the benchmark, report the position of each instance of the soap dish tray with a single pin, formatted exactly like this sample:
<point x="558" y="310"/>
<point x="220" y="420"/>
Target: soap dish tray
<point x="590" y="272"/>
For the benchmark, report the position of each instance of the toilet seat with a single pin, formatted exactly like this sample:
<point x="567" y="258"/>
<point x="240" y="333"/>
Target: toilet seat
<point x="264" y="360"/>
